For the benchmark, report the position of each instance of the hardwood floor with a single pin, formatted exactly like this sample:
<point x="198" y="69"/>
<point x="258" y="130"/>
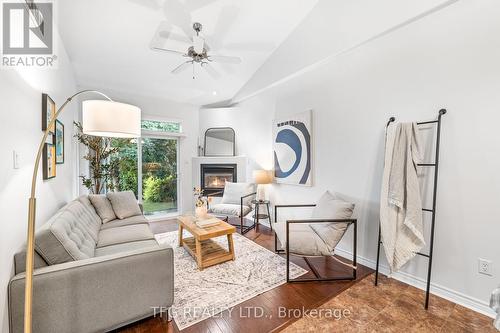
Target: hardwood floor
<point x="393" y="306"/>
<point x="296" y="296"/>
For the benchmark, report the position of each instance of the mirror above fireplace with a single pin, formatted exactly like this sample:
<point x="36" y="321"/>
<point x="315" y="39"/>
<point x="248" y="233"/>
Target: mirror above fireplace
<point x="219" y="141"/>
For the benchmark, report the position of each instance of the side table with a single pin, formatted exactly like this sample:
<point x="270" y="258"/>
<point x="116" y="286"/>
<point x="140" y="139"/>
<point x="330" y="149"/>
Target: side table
<point x="258" y="215"/>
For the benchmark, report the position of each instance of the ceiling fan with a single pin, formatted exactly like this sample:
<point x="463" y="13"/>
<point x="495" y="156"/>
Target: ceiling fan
<point x="198" y="53"/>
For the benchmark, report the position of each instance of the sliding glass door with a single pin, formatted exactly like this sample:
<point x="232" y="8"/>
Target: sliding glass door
<point x="149" y="168"/>
<point x="159" y="175"/>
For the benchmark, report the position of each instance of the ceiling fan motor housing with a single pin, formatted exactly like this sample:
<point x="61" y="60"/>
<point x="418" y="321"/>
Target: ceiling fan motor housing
<point x="197" y="27"/>
<point x="198" y="57"/>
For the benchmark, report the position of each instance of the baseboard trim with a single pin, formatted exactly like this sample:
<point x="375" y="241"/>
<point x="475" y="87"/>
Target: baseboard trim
<point x="436" y="289"/>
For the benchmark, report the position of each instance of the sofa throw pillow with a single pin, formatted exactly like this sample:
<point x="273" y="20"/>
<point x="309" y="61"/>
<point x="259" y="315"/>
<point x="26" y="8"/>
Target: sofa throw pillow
<point x="331" y="207"/>
<point x="124" y="204"/>
<point x="234" y="191"/>
<point x="102" y="207"/>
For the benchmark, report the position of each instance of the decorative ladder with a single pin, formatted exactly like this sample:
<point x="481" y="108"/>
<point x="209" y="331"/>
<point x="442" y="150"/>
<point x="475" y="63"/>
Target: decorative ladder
<point x="435" y="165"/>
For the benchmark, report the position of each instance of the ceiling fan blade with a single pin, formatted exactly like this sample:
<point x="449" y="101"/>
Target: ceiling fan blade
<point x="182" y="67"/>
<point x="225" y="21"/>
<point x="177" y="14"/>
<point x="158" y="40"/>
<point x="168" y="51"/>
<point x="198" y="44"/>
<point x="173" y="36"/>
<point x="225" y="59"/>
<point x="210" y="70"/>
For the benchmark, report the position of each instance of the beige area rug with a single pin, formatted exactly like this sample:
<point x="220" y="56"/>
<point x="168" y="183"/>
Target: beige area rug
<point x="201" y="294"/>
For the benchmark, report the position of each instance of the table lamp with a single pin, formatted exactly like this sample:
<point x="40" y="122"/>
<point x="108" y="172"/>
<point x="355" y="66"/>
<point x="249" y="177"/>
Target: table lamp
<point x="100" y="118"/>
<point x="262" y="178"/>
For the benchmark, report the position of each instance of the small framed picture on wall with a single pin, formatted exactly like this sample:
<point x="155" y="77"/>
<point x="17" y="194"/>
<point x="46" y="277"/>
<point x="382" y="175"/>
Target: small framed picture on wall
<point x="48" y="112"/>
<point x="49" y="161"/>
<point x="59" y="142"/>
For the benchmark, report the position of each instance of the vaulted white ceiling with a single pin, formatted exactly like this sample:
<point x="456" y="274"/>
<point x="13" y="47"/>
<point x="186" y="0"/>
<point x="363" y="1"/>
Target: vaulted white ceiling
<point x="108" y="43"/>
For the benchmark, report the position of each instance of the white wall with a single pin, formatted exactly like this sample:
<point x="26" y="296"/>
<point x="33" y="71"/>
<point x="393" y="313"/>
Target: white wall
<point x="252" y="129"/>
<point x="332" y="27"/>
<point x="162" y="109"/>
<point x="448" y="59"/>
<point x="21" y="130"/>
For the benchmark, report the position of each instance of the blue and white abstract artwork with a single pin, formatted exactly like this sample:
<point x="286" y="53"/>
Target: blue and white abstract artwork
<point x="292" y="149"/>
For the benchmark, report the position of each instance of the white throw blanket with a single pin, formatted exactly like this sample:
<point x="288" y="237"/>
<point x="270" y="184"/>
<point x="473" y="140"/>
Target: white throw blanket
<point x="400" y="202"/>
<point x="495" y="305"/>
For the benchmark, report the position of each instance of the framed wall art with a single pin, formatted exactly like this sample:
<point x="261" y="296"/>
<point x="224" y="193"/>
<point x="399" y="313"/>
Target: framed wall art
<point x="292" y="149"/>
<point x="48" y="111"/>
<point x="49" y="161"/>
<point x="59" y="142"/>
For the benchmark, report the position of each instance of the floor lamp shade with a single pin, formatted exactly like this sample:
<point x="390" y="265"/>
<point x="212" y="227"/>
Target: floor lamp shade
<point x="111" y="119"/>
<point x="262" y="177"/>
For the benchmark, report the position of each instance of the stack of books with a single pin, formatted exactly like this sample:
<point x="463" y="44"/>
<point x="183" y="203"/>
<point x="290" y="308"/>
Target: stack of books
<point x="207" y="223"/>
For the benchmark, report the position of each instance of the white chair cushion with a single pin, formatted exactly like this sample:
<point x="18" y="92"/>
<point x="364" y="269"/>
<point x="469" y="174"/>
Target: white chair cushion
<point x="234" y="191"/>
<point x="331" y="207"/>
<point x="229" y="209"/>
<point x="303" y="240"/>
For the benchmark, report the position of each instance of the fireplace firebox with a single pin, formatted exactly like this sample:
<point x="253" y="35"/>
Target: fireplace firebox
<point x="215" y="176"/>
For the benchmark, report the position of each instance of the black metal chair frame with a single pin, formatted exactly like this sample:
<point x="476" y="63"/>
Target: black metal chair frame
<point x="318" y="277"/>
<point x="243" y="229"/>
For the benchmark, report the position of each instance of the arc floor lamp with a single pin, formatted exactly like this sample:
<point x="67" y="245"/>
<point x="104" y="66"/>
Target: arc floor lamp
<point x="100" y="118"/>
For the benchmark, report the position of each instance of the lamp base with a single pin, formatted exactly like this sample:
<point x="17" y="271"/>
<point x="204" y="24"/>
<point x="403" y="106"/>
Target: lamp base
<point x="261" y="193"/>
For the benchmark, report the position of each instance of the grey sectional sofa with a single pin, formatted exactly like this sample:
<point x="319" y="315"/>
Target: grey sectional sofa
<point x="90" y="276"/>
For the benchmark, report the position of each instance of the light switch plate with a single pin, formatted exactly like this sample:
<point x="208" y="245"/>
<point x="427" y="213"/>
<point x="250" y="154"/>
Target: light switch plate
<point x="15" y="159"/>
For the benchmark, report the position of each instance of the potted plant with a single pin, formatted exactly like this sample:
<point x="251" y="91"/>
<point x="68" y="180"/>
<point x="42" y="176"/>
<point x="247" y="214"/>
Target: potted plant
<point x="102" y="167"/>
<point x="201" y="210"/>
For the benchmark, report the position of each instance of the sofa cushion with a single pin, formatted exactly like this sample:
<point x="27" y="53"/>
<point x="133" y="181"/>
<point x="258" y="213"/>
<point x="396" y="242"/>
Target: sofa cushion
<point x="331" y="207"/>
<point x="102" y="207"/>
<point x="229" y="209"/>
<point x="303" y="240"/>
<point x="124" y="204"/>
<point x="234" y="191"/>
<point x="93" y="221"/>
<point x="124" y="247"/>
<point x="125" y="234"/>
<point x="66" y="237"/>
<point x="128" y="221"/>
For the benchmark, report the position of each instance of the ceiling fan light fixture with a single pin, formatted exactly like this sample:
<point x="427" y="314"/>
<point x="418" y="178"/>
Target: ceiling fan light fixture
<point x="197" y="53"/>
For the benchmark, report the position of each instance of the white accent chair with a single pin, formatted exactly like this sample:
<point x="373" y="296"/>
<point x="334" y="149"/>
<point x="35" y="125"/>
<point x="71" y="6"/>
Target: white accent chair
<point x="317" y="236"/>
<point x="236" y="202"/>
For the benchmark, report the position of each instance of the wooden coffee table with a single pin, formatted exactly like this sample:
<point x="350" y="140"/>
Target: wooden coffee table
<point x="204" y="250"/>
